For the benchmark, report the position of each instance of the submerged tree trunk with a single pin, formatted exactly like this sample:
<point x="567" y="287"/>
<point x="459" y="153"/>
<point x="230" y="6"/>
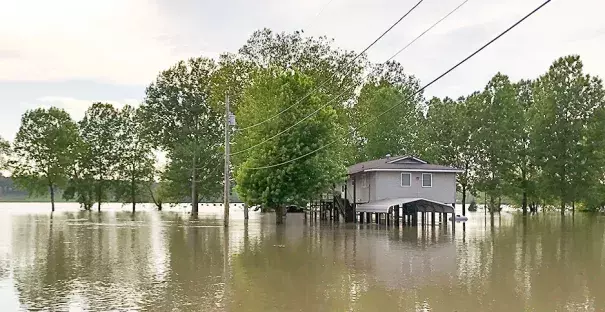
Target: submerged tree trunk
<point x="492" y="205"/>
<point x="464" y="199"/>
<point x="132" y="194"/>
<point x="157" y="202"/>
<point x="194" y="203"/>
<point x="524" y="202"/>
<point x="562" y="207"/>
<point x="99" y="195"/>
<point x="52" y="197"/>
<point x="246" y="211"/>
<point x="280" y="214"/>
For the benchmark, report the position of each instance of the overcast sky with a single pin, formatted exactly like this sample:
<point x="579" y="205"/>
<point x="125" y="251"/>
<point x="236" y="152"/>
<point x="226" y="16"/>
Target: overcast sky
<point x="69" y="53"/>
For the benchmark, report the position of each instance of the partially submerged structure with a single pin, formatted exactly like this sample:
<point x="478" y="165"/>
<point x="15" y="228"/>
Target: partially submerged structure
<point x="395" y="187"/>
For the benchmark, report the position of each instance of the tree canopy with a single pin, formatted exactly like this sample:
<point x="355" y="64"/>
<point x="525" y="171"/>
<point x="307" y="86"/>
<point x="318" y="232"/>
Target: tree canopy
<point x="44" y="149"/>
<point x="298" y="181"/>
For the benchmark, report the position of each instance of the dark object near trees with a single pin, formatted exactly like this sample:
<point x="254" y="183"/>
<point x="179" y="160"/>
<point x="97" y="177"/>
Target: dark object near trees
<point x="473" y="206"/>
<point x="294" y="208"/>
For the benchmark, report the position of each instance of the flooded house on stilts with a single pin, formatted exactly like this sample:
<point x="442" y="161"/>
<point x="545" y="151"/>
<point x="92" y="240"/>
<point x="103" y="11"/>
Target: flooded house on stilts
<point x="398" y="189"/>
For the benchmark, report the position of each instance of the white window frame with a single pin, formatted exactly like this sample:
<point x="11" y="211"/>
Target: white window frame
<point x="408" y="174"/>
<point x="364" y="180"/>
<point x="429" y="174"/>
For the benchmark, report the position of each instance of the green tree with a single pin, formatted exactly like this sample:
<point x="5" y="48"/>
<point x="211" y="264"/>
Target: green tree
<point x="337" y="72"/>
<point x="100" y="154"/>
<point x="397" y="132"/>
<point x="136" y="160"/>
<point x="183" y="116"/>
<point x="524" y="179"/>
<point x="271" y="92"/>
<point x="594" y="198"/>
<point x="565" y="99"/>
<point x="5" y="149"/>
<point x="159" y="194"/>
<point x="44" y="149"/>
<point x="497" y="128"/>
<point x="449" y="127"/>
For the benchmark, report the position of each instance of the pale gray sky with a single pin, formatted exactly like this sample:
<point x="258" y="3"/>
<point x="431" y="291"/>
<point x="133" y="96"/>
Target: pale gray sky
<point x="69" y="53"/>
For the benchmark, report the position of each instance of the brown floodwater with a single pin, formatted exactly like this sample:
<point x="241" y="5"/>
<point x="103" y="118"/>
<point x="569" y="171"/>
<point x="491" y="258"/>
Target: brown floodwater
<point x="166" y="261"/>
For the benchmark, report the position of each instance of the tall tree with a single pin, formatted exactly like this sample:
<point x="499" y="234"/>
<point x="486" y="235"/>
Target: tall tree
<point x="449" y="129"/>
<point x="565" y="100"/>
<point x="594" y="198"/>
<point x="497" y="120"/>
<point x="524" y="176"/>
<point x="398" y="131"/>
<point x="136" y="160"/>
<point x="44" y="149"/>
<point x="272" y="91"/>
<point x="101" y="153"/>
<point x="180" y="113"/>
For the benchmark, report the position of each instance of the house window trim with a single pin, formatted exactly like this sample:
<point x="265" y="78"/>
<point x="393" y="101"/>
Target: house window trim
<point x="422" y="178"/>
<point x="406" y="173"/>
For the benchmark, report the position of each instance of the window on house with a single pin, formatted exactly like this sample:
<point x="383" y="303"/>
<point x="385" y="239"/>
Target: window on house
<point x="427" y="180"/>
<point x="364" y="180"/>
<point x="406" y="179"/>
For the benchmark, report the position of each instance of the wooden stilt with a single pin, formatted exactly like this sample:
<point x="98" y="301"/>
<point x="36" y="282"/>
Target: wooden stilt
<point x="422" y="217"/>
<point x="396" y="216"/>
<point x="416" y="217"/>
<point x="361" y="217"/>
<point x="433" y="218"/>
<point x="454" y="217"/>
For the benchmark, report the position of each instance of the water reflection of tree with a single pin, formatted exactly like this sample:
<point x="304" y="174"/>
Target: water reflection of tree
<point x="538" y="264"/>
<point x="91" y="264"/>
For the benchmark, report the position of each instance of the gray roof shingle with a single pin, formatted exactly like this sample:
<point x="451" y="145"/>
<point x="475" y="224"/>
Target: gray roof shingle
<point x="411" y="165"/>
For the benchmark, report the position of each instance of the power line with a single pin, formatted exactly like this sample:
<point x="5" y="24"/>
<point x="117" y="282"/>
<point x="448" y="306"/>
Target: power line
<point x="415" y="93"/>
<point x="321" y="10"/>
<point x="350" y="87"/>
<point x="334" y="74"/>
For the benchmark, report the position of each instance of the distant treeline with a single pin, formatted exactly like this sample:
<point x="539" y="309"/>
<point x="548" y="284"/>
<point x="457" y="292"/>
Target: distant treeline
<point x="9" y="192"/>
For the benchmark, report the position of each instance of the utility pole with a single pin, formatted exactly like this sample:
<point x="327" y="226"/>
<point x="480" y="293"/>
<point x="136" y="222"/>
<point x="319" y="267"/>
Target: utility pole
<point x="227" y="188"/>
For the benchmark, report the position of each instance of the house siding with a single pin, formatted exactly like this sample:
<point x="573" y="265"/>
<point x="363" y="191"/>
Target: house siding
<point x="364" y="194"/>
<point x="388" y="185"/>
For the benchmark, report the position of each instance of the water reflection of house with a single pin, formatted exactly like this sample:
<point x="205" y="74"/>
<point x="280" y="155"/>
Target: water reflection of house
<point x="404" y="259"/>
<point x="407" y="184"/>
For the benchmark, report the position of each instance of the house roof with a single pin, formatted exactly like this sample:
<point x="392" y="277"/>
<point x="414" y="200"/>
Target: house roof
<point x="400" y="163"/>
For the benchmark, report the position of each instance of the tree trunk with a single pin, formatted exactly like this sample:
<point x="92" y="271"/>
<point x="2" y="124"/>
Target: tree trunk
<point x="562" y="207"/>
<point x="157" y="202"/>
<point x="194" y="203"/>
<point x="246" y="211"/>
<point x="499" y="203"/>
<point x="132" y="194"/>
<point x="280" y="214"/>
<point x="492" y="205"/>
<point x="52" y="197"/>
<point x="463" y="199"/>
<point x="99" y="195"/>
<point x="524" y="202"/>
